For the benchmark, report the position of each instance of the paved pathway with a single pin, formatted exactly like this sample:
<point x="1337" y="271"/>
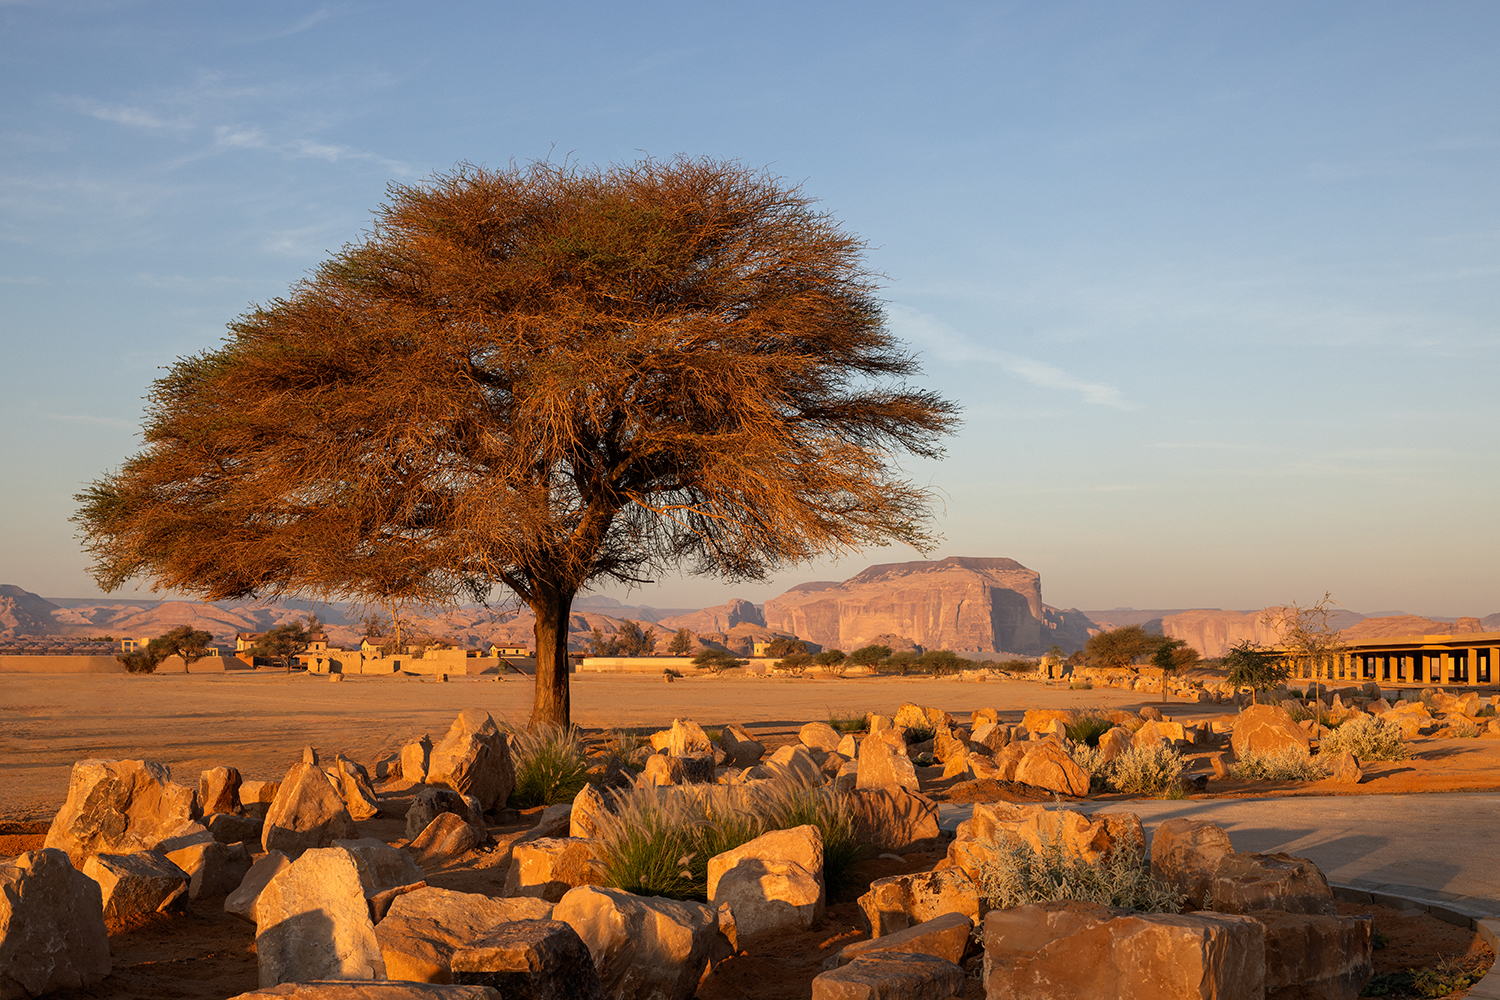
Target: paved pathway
<point x="1437" y="846"/>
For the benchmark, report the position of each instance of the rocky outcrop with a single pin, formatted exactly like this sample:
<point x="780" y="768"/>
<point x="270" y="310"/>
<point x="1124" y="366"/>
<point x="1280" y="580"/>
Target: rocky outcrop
<point x="959" y="603"/>
<point x="119" y="807"/>
<point x="720" y="618"/>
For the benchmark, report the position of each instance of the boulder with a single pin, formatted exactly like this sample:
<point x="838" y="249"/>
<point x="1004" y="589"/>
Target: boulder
<point x="1266" y="728"/>
<point x="422" y="929"/>
<point x="802" y="845"/>
<point x="848" y="747"/>
<point x="447" y="836"/>
<point x="794" y="764"/>
<point x="227" y="828"/>
<point x="219" y="791"/>
<point x="945" y="937"/>
<point x="548" y="867"/>
<point x="741" y="748"/>
<point x="415" y="757"/>
<point x="894" y="819"/>
<point x="883" y="766"/>
<point x="1151" y="713"/>
<point x="1344" y="769"/>
<point x="1083" y="951"/>
<point x="879" y="722"/>
<point x="1046" y="720"/>
<point x="353" y="784"/>
<point x="1008" y="760"/>
<point x="900" y="901"/>
<point x="891" y="976"/>
<point x="381" y="866"/>
<point x="690" y="769"/>
<point x="769" y="897"/>
<point x="430" y="803"/>
<point x="530" y="960"/>
<point x="213" y="869"/>
<point x="1048" y="766"/>
<point x="910" y="716"/>
<point x="136" y="885"/>
<point x="52" y="933"/>
<point x="820" y="736"/>
<point x="686" y="738"/>
<point x="1185" y="853"/>
<point x="257" y="796"/>
<point x="983" y="716"/>
<point x="334" y="990"/>
<point x="956" y="762"/>
<point x="1246" y="882"/>
<point x="306" y="813"/>
<point x="185" y="835"/>
<point x="474" y="760"/>
<point x="1316" y="957"/>
<point x="241" y="902"/>
<point x="118" y="807"/>
<point x="1155" y="733"/>
<point x="645" y="947"/>
<point x="989" y="735"/>
<point x="1115" y="742"/>
<point x="583" y="818"/>
<point x="312" y="921"/>
<point x="553" y="821"/>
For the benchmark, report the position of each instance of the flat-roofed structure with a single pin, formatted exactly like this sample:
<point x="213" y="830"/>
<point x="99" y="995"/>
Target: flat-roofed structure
<point x="1463" y="659"/>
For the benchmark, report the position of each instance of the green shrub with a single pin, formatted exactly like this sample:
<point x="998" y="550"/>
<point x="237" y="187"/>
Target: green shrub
<point x="658" y="841"/>
<point x="795" y="663"/>
<point x="920" y="734"/>
<point x="869" y="656"/>
<point x="942" y="661"/>
<point x="1091" y="759"/>
<point x="1022" y="875"/>
<point x="550" y="765"/>
<point x="1287" y="764"/>
<point x="903" y="663"/>
<point x="1367" y="737"/>
<point x="716" y="661"/>
<point x="847" y="722"/>
<point x="1080" y="686"/>
<point x="1148" y="770"/>
<point x="1015" y="667"/>
<point x="1087" y="726"/>
<point x="1463" y="729"/>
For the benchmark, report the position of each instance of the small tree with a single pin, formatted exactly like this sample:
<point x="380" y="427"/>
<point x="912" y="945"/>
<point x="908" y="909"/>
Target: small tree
<point x="285" y="641"/>
<point x="185" y="641"/>
<point x="869" y="656"/>
<point x="795" y="663"/>
<point x="832" y="661"/>
<point x="1256" y="668"/>
<point x="144" y="660"/>
<point x="1172" y="655"/>
<point x="1305" y="631"/>
<point x="632" y="640"/>
<point x="716" y="661"/>
<point x="681" y="643"/>
<point x="1122" y="647"/>
<point x="943" y="661"/>
<point x="783" y="646"/>
<point x="600" y="646"/>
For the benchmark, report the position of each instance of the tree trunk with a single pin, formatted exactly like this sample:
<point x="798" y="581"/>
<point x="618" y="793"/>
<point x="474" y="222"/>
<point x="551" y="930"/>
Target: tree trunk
<point x="552" y="704"/>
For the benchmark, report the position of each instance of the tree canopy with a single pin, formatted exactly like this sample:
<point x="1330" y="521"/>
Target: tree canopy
<point x="1122" y="647"/>
<point x="1255" y="667"/>
<point x="543" y="378"/>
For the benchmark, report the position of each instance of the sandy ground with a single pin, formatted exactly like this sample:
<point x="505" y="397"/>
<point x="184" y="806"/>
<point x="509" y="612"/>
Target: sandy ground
<point x="259" y="722"/>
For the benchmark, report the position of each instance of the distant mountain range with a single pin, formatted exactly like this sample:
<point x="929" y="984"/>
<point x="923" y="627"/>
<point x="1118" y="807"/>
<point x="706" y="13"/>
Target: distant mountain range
<point x="980" y="607"/>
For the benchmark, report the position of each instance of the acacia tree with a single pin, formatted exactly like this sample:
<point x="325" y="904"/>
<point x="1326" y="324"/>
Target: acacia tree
<point x="1251" y="665"/>
<point x="1306" y="631"/>
<point x="541" y="378"/>
<point x="1122" y="647"/>
<point x="185" y="641"/>
<point x="283" y="642"/>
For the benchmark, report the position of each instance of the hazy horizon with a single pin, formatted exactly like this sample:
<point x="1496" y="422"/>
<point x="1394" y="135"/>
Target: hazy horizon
<point x="1214" y="285"/>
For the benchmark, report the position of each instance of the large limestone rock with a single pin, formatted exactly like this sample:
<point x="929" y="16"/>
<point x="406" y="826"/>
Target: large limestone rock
<point x="1185" y="853"/>
<point x="1246" y="882"/>
<point x="353" y="783"/>
<point x="584" y="818"/>
<point x="429" y="803"/>
<point x="531" y="959"/>
<point x="306" y="813"/>
<point x="794" y="764"/>
<point x="1316" y="957"/>
<point x="687" y="769"/>
<point x="945" y="937"/>
<point x="423" y="929"/>
<point x="997" y="825"/>
<point x="1083" y="951"/>
<point x="228" y="828"/>
<point x="381" y="866"/>
<point x="740" y="747"/>
<point x="136" y="885"/>
<point x="769" y="897"/>
<point x="953" y="603"/>
<point x="900" y="901"/>
<point x="546" y="868"/>
<point x="1344" y="769"/>
<point x="474" y="759"/>
<point x="1048" y="766"/>
<point x="118" y="807"/>
<point x="219" y="791"/>
<point x="213" y="869"/>
<point x="644" y="947"/>
<point x="415" y="757"/>
<point x="446" y="837"/>
<point x="883" y="766"/>
<point x="687" y="737"/>
<point x="820" y="736"/>
<point x="800" y="844"/>
<point x="312" y="922"/>
<point x="889" y="976"/>
<point x="894" y="819"/>
<point x="52" y="933"/>
<point x="1115" y="742"/>
<point x="241" y="902"/>
<point x="370" y="991"/>
<point x="1264" y="729"/>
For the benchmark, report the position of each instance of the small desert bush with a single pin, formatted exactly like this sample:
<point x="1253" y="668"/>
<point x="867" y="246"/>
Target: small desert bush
<point x="1091" y="759"/>
<point x="658" y="841"/>
<point x="1014" y="667"/>
<point x="1463" y="729"/>
<point x="1088" y="725"/>
<point x="920" y="734"/>
<point x="1022" y="875"/>
<point x="1367" y="737"/>
<point x="1148" y="770"/>
<point x="1287" y="764"/>
<point x="847" y="722"/>
<point x="1080" y="686"/>
<point x="550" y="764"/>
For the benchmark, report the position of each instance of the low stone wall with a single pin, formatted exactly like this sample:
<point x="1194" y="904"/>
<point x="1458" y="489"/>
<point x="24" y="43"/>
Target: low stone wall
<point x="60" y="665"/>
<point x="636" y="664"/>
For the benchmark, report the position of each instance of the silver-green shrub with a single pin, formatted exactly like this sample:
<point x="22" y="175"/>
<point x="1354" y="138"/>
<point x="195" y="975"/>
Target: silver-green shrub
<point x="1021" y="875"/>
<point x="1367" y="737"/>
<point x="1148" y="770"/>
<point x="1292" y="763"/>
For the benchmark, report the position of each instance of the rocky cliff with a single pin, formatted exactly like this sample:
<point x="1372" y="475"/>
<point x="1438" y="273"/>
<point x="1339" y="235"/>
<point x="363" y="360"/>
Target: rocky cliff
<point x="967" y="605"/>
<point x="721" y="618"/>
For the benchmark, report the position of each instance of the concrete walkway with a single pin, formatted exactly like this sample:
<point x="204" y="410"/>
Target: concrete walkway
<point x="1435" y="846"/>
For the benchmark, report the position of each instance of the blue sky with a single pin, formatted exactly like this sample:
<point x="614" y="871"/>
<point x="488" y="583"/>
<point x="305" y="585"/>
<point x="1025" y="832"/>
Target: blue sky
<point x="1214" y="283"/>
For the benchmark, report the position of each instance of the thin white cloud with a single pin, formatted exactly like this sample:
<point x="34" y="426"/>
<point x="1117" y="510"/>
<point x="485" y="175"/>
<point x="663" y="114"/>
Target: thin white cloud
<point x="312" y="20"/>
<point x="127" y="115"/>
<point x="242" y="137"/>
<point x="946" y="343"/>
